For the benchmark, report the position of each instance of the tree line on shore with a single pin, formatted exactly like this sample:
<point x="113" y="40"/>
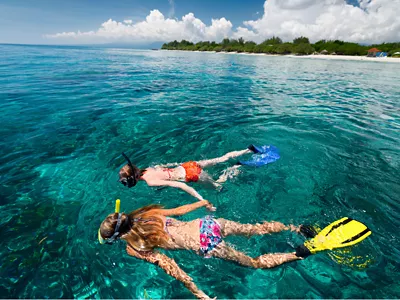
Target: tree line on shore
<point x="274" y="45"/>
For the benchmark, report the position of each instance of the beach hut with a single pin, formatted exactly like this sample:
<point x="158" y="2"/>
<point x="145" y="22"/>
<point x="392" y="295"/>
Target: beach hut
<point x="324" y="52"/>
<point x="374" y="52"/>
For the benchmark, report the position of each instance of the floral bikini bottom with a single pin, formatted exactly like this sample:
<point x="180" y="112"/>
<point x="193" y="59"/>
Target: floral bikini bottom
<point x="210" y="234"/>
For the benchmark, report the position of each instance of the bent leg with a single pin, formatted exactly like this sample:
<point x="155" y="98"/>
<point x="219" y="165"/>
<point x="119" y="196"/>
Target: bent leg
<point x="206" y="178"/>
<point x="229" y="173"/>
<point x="210" y="162"/>
<point x="265" y="261"/>
<point x="234" y="228"/>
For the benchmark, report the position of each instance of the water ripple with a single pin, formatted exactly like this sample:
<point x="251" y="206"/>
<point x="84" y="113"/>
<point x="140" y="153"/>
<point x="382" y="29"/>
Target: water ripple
<point x="68" y="113"/>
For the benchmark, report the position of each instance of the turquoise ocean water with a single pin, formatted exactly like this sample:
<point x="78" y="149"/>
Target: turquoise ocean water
<point x="68" y="112"/>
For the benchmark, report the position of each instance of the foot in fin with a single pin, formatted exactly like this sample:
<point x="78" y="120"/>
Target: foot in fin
<point x="254" y="149"/>
<point x="308" y="231"/>
<point x="258" y="149"/>
<point x="302" y="251"/>
<point x="262" y="149"/>
<point x="263" y="156"/>
<point x="341" y="233"/>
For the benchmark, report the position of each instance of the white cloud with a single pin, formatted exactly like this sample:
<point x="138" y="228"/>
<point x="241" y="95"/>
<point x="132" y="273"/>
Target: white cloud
<point x="154" y="28"/>
<point x="373" y="21"/>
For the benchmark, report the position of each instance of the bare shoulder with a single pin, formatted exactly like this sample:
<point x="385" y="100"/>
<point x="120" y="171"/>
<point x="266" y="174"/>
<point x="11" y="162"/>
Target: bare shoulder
<point x="148" y="175"/>
<point x="149" y="171"/>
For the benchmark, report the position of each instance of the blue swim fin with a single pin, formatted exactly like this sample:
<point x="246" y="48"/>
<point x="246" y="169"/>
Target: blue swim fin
<point x="262" y="149"/>
<point x="264" y="155"/>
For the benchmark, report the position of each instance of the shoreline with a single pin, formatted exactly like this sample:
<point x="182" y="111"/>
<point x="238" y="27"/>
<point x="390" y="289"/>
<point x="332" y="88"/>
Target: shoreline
<point x="349" y="57"/>
<point x="312" y="56"/>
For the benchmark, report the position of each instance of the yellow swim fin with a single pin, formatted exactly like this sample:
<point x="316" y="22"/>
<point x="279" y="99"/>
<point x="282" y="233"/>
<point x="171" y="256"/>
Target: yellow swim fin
<point x="341" y="233"/>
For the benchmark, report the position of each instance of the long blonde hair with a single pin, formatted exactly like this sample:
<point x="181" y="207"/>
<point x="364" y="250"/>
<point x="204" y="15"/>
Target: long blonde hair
<point x="142" y="229"/>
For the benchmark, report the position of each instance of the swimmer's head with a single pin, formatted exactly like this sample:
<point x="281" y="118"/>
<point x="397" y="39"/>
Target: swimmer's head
<point x="110" y="231"/>
<point x="129" y="174"/>
<point x="142" y="229"/>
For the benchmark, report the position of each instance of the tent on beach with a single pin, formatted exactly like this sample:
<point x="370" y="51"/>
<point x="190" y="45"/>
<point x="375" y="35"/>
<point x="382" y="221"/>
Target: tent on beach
<point x="374" y="52"/>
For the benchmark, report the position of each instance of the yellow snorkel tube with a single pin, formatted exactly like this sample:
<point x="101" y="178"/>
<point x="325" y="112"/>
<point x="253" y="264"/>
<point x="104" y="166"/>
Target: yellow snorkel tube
<point x="117" y="210"/>
<point x="117" y="205"/>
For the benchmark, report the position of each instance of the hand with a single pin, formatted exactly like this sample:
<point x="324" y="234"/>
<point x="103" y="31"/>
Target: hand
<point x="208" y="298"/>
<point x="131" y="251"/>
<point x="201" y="295"/>
<point x="209" y="206"/>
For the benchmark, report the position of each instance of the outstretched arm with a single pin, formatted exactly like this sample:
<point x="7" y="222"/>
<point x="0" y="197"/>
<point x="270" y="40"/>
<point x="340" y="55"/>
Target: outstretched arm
<point x="170" y="267"/>
<point x="184" y="209"/>
<point x="176" y="184"/>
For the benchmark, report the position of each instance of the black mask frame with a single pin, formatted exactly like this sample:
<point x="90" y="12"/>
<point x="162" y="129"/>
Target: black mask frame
<point x="130" y="181"/>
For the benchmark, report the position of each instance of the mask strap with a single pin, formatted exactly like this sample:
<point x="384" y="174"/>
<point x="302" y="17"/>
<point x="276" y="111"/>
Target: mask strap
<point x="116" y="232"/>
<point x="128" y="160"/>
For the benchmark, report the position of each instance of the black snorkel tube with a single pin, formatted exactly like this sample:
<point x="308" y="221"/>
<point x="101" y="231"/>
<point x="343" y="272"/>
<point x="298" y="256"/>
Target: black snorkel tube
<point x="130" y="181"/>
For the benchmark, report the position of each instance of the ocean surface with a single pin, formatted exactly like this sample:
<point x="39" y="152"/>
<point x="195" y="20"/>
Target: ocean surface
<point x="67" y="113"/>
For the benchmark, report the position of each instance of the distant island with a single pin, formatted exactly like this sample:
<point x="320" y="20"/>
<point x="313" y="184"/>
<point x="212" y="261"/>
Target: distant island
<point x="299" y="46"/>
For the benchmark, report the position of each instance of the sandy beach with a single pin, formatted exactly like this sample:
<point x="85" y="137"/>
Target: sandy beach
<point x="317" y="56"/>
<point x="347" y="57"/>
<point x="327" y="57"/>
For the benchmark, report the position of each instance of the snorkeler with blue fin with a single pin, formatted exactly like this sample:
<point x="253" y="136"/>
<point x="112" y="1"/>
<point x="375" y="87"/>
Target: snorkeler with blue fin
<point x="179" y="174"/>
<point x="152" y="227"/>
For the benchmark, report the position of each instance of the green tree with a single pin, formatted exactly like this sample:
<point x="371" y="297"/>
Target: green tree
<point x="351" y="49"/>
<point x="303" y="49"/>
<point x="285" y="48"/>
<point x="225" y="42"/>
<point x="301" y="40"/>
<point x="338" y="42"/>
<point x="320" y="45"/>
<point x="233" y="42"/>
<point x="249" y="46"/>
<point x="175" y="44"/>
<point x="273" y="41"/>
<point x="274" y="45"/>
<point x="258" y="49"/>
<point x="392" y="52"/>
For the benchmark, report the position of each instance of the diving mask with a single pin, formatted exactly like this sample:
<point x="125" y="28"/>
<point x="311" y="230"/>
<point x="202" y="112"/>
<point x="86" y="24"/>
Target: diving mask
<point x="129" y="181"/>
<point x="113" y="238"/>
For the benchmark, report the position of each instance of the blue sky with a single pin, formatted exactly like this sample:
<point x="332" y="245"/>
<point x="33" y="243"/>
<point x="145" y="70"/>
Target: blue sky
<point x="27" y="20"/>
<point x="143" y="22"/>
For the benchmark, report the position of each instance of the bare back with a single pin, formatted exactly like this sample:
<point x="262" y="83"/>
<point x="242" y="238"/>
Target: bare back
<point x="183" y="235"/>
<point x="159" y="173"/>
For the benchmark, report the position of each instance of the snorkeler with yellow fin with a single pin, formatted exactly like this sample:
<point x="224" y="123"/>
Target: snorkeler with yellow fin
<point x="152" y="227"/>
<point x="341" y="233"/>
